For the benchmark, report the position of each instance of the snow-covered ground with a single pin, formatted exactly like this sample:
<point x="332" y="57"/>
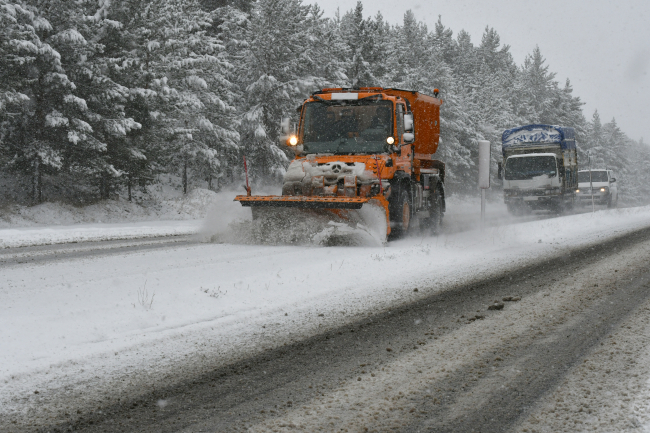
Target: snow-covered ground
<point x="92" y="329"/>
<point x="30" y="236"/>
<point x="165" y="205"/>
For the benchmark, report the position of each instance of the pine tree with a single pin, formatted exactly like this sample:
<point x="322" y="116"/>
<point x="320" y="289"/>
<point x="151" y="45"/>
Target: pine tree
<point x="332" y="52"/>
<point x="38" y="135"/>
<point x="276" y="67"/>
<point x="357" y="33"/>
<point x="177" y="74"/>
<point x="535" y="88"/>
<point x="18" y="46"/>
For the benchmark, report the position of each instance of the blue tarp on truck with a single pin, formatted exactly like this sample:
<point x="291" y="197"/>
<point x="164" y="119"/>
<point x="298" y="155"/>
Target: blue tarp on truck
<point x="538" y="134"/>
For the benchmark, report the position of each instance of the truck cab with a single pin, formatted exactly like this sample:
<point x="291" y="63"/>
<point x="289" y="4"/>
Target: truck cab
<point x="599" y="182"/>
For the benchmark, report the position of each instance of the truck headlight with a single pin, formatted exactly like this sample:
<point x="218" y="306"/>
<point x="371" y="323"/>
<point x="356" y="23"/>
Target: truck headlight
<point x="293" y="140"/>
<point x="577" y="190"/>
<point x="390" y="140"/>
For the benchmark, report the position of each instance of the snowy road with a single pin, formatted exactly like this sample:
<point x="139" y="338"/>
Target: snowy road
<point x="67" y="251"/>
<point x="161" y="324"/>
<point x="430" y="365"/>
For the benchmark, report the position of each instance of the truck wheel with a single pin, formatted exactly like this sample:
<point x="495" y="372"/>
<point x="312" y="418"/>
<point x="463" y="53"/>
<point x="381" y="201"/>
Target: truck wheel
<point x="432" y="224"/>
<point x="401" y="215"/>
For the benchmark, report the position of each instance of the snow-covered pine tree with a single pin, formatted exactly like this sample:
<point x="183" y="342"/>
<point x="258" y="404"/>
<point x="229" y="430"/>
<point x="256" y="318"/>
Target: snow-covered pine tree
<point x="179" y="89"/>
<point x="40" y="134"/>
<point x="536" y="89"/>
<point x="97" y="111"/>
<point x="614" y="154"/>
<point x="637" y="176"/>
<point x="276" y="72"/>
<point x="381" y="35"/>
<point x="442" y="38"/>
<point x="594" y="140"/>
<point x="18" y="45"/>
<point x="409" y="52"/>
<point x="357" y="34"/>
<point x="332" y="53"/>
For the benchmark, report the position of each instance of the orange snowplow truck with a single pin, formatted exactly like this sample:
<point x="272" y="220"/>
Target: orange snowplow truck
<point x="361" y="146"/>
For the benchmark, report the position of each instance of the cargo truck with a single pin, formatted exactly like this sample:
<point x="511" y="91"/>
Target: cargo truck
<point x="539" y="168"/>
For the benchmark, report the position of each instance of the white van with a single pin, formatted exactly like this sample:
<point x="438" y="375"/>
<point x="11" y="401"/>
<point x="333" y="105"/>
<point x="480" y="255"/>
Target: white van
<point x="604" y="187"/>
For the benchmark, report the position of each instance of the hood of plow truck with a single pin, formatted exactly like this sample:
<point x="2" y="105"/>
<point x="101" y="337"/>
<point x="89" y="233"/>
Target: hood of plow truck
<point x="339" y="194"/>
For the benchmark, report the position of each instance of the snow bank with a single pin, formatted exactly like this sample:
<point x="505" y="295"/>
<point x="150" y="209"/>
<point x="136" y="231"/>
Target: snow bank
<point x="31" y="236"/>
<point x="159" y="207"/>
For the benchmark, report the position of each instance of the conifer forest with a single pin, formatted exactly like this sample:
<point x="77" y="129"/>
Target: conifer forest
<point x="103" y="97"/>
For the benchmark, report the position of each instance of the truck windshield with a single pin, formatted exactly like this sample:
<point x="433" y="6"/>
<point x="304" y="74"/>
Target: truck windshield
<point x="528" y="167"/>
<point x="347" y="127"/>
<point x="596" y="176"/>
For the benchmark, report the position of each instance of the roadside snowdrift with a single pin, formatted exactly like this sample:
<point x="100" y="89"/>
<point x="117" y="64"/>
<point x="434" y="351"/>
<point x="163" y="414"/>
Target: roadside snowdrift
<point x="159" y="207"/>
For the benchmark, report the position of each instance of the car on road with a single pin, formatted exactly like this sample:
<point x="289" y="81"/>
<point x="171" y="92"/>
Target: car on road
<point x="603" y="183"/>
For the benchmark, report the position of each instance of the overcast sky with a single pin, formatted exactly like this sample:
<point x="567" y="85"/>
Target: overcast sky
<point x="602" y="46"/>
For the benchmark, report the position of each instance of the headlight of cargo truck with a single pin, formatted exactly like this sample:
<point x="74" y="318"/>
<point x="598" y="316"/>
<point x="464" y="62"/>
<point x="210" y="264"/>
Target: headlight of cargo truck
<point x="604" y="189"/>
<point x="293" y="140"/>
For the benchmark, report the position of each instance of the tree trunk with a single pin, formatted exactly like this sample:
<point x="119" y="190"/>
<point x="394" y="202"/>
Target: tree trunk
<point x="104" y="186"/>
<point x="185" y="177"/>
<point x="37" y="189"/>
<point x="129" y="187"/>
<point x="210" y="182"/>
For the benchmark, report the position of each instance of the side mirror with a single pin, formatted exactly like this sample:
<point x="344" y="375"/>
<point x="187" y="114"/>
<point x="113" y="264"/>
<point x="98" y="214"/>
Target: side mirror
<point x="409" y="137"/>
<point x="499" y="170"/>
<point x="408" y="122"/>
<point x="613" y="179"/>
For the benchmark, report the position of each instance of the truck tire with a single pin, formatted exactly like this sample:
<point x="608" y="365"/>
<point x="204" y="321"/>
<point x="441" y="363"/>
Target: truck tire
<point x="431" y="225"/>
<point x="400" y="215"/>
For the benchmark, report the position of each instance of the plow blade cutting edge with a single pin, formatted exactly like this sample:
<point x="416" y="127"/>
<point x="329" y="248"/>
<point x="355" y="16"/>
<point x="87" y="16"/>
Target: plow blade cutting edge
<point x="325" y="220"/>
<point x="302" y="202"/>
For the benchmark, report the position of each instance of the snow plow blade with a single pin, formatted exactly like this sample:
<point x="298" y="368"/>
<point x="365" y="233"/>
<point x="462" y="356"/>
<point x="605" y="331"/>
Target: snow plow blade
<point x="302" y="202"/>
<point x="322" y="220"/>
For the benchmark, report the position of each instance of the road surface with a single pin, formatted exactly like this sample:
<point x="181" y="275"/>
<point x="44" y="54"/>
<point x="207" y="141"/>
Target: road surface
<point x="444" y="363"/>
